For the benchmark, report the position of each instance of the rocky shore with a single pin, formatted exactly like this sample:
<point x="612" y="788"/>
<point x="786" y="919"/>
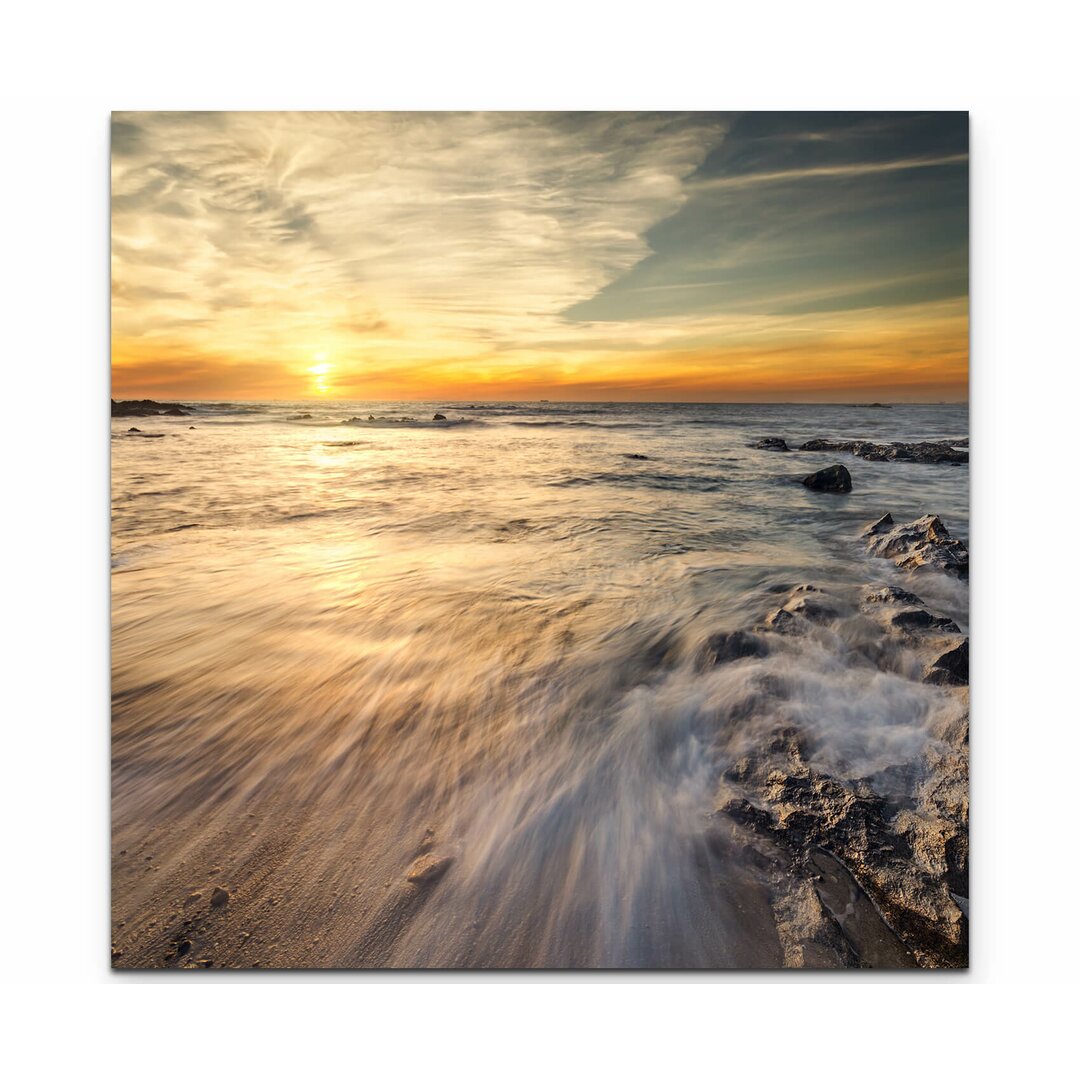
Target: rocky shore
<point x="147" y="407"/>
<point x="953" y="452"/>
<point x="863" y="870"/>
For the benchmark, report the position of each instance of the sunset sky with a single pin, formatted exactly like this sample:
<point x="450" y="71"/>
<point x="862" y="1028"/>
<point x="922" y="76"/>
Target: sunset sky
<point x="609" y="256"/>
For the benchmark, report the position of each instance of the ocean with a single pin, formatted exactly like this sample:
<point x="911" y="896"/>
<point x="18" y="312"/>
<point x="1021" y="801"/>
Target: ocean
<point x="431" y="693"/>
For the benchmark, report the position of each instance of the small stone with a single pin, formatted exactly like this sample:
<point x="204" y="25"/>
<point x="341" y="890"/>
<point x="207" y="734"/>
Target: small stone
<point x="438" y="416"/>
<point x="219" y="897"/>
<point x="428" y="869"/>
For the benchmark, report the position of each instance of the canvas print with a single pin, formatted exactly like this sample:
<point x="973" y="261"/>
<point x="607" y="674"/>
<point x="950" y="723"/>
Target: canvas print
<point x="539" y="540"/>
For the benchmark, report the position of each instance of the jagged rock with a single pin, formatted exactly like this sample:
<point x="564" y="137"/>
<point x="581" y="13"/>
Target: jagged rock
<point x="891" y="594"/>
<point x="834" y="479"/>
<point x="950" y="668"/>
<point x="922" y="453"/>
<point x="438" y="416"/>
<point x="783" y="622"/>
<point x="134" y="431"/>
<point x="728" y="646"/>
<point x="814" y="608"/>
<point x="917" y="545"/>
<point x="637" y="457"/>
<point x="147" y="407"/>
<point x="921" y="619"/>
<point x="771" y="443"/>
<point x="908" y="863"/>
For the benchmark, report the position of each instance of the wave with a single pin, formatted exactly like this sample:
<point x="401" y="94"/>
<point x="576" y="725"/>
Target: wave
<point x="663" y="481"/>
<point x="408" y="422"/>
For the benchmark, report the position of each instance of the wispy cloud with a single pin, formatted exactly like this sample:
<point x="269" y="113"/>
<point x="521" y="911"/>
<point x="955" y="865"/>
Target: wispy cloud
<point x="429" y="250"/>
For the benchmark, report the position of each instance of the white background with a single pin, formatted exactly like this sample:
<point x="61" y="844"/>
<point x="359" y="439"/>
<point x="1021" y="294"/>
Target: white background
<point x="66" y="66"/>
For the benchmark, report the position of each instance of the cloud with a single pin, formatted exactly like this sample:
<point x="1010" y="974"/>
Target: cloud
<point x="417" y="250"/>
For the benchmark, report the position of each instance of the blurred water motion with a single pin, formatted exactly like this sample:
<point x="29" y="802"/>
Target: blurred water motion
<point x="342" y="649"/>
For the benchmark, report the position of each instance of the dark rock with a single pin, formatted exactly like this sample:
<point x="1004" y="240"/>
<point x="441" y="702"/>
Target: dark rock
<point x="746" y="813"/>
<point x="637" y="457"/>
<point x="918" y="545"/>
<point x="950" y="668"/>
<point x="882" y="524"/>
<point x="922" y="453"/>
<point x="438" y="416"/>
<point x="730" y="645"/>
<point x="191" y="427"/>
<point x="816" y="610"/>
<point x="783" y="622"/>
<point x="920" y="619"/>
<point x="833" y="479"/>
<point x="134" y="431"/>
<point x="771" y="443"/>
<point x="890" y="594"/>
<point x="219" y="897"/>
<point x="147" y="407"/>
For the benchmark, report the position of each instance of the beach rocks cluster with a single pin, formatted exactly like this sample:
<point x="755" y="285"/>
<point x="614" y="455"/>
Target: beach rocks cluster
<point x="917" y="545"/>
<point x="923" y="453"/>
<point x="952" y="452"/>
<point x="147" y="407"/>
<point x="864" y="869"/>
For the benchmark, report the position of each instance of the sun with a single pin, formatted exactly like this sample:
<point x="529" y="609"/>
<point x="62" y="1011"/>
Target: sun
<point x="320" y="371"/>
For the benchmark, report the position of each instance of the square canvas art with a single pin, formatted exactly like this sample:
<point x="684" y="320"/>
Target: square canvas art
<point x="539" y="540"/>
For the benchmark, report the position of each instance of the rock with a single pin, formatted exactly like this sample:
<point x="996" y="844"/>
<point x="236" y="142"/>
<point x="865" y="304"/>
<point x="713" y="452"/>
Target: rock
<point x="147" y="407"/>
<point x="730" y="645"/>
<point x="191" y="427"/>
<point x="219" y="897"/>
<point x="918" y="545"/>
<point x="438" y="416"/>
<point x="428" y="869"/>
<point x="834" y="479"/>
<point x="890" y="594"/>
<point x="637" y="457"/>
<point x="134" y="431"/>
<point x="302" y="416"/>
<point x="783" y="622"/>
<point x="922" y="453"/>
<point x="771" y="443"/>
<point x="850" y="842"/>
<point x="950" y="668"/>
<point x="920" y="619"/>
<point x="881" y="525"/>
